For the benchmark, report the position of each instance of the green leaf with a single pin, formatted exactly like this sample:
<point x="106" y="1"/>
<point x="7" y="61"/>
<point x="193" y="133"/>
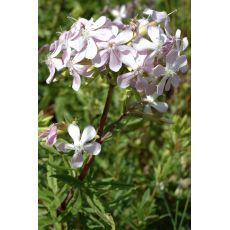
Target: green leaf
<point x="99" y="210"/>
<point x="61" y="168"/>
<point x="52" y="182"/>
<point x="112" y="185"/>
<point x="49" y="148"/>
<point x="69" y="180"/>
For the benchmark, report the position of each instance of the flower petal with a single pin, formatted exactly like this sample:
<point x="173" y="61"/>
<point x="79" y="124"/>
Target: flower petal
<point x="115" y="30"/>
<point x="52" y="72"/>
<point x="184" y="68"/>
<point x="175" y="81"/>
<point x="147" y="109"/>
<point x="66" y="55"/>
<point x="125" y="49"/>
<point x="64" y="147"/>
<point x="123" y="11"/>
<point x="158" y="70"/>
<point x="102" y="45"/>
<point x="160" y="106"/>
<point x="114" y="61"/>
<point x="161" y="86"/>
<point x="52" y="136"/>
<point x="78" y="44"/>
<point x="178" y="34"/>
<point x="168" y="84"/>
<point x="154" y="33"/>
<point x="91" y="50"/>
<point x="180" y="62"/>
<point x="103" y="34"/>
<point x="93" y="148"/>
<point x="141" y="84"/>
<point x="124" y="37"/>
<point x="88" y="134"/>
<point x="115" y="12"/>
<point x="150" y="89"/>
<point x="57" y="50"/>
<point x="74" y="132"/>
<point x="77" y="160"/>
<point x="101" y="58"/>
<point x="124" y="80"/>
<point x="76" y="81"/>
<point x="99" y="23"/>
<point x="141" y="58"/>
<point x="143" y="44"/>
<point x="129" y="60"/>
<point x="79" y="56"/>
<point x="57" y="62"/>
<point x="184" y="44"/>
<point x="171" y="57"/>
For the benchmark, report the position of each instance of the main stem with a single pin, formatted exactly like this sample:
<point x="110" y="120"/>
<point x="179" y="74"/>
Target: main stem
<point x="86" y="167"/>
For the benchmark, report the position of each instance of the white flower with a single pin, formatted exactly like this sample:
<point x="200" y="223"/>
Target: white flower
<point x="151" y="102"/>
<point x="174" y="63"/>
<point x="90" y="33"/>
<point x="119" y="13"/>
<point x="80" y="144"/>
<point x="155" y="15"/>
<point x="158" y="39"/>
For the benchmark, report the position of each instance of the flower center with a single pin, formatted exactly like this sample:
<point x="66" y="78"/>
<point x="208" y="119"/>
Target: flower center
<point x="112" y="45"/>
<point x="48" y="61"/>
<point x="169" y="72"/>
<point x="85" y="33"/>
<point x="78" y="148"/>
<point x="140" y="70"/>
<point x="69" y="65"/>
<point x="149" y="99"/>
<point x="159" y="44"/>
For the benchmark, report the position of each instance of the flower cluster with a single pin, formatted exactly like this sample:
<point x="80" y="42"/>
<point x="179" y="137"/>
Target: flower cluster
<point x="142" y="54"/>
<point x="144" y="51"/>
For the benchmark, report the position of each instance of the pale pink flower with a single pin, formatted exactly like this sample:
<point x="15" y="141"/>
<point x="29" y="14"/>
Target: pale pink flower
<point x="155" y="15"/>
<point x="90" y="33"/>
<point x="141" y="66"/>
<point x="114" y="51"/>
<point x="151" y="102"/>
<point x="80" y="144"/>
<point x="158" y="40"/>
<point x="76" y="70"/>
<point x="53" y="64"/>
<point x="174" y="63"/>
<point x="120" y="12"/>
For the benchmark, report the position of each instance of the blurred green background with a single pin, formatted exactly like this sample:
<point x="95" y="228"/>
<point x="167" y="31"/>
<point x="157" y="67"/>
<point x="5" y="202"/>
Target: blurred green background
<point x="151" y="156"/>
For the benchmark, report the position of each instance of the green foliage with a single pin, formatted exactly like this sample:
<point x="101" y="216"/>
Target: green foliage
<point x="141" y="179"/>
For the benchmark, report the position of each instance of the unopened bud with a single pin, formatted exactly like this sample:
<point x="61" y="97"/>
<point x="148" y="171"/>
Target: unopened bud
<point x="143" y="29"/>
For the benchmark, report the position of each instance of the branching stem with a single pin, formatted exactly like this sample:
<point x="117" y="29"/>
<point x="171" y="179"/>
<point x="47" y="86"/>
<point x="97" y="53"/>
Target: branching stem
<point x="86" y="167"/>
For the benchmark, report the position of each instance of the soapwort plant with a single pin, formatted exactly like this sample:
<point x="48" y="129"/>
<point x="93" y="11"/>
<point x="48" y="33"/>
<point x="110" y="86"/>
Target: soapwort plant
<point x="142" y="57"/>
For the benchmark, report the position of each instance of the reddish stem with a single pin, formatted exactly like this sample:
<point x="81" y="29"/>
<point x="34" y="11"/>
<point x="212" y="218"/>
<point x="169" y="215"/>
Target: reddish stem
<point x="86" y="167"/>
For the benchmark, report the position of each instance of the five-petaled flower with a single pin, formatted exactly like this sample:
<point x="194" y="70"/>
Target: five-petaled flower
<point x="174" y="63"/>
<point x="142" y="66"/>
<point x="80" y="144"/>
<point x="114" y="51"/>
<point x="158" y="40"/>
<point x="151" y="102"/>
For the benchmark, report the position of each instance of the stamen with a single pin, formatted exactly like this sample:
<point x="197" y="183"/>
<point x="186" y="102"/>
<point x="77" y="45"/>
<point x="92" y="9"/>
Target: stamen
<point x="172" y="12"/>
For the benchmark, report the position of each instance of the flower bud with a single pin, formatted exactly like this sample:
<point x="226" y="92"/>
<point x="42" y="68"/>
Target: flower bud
<point x="143" y="29"/>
